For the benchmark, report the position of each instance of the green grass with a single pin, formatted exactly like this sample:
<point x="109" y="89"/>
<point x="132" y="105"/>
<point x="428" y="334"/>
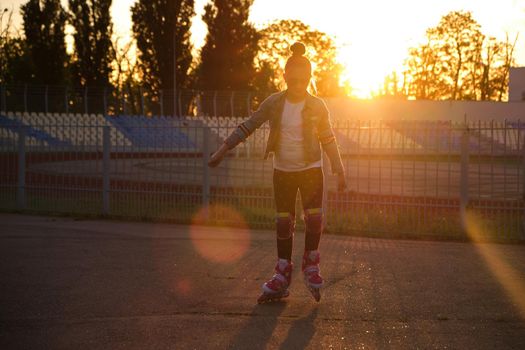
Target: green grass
<point x="474" y="158"/>
<point x="382" y="221"/>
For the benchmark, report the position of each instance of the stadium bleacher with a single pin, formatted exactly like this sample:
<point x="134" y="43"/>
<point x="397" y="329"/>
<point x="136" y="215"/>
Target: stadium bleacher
<point x="71" y="130"/>
<point x="62" y="130"/>
<point x="33" y="134"/>
<point x="160" y="132"/>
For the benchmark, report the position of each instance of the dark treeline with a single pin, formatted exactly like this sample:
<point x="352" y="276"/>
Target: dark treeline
<point x="457" y="62"/>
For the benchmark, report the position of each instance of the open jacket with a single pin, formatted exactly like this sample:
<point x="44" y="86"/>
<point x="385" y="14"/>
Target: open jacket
<point x="317" y="130"/>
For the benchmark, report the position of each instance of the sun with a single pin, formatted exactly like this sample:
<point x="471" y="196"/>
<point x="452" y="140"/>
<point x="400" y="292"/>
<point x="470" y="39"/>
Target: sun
<point x="367" y="64"/>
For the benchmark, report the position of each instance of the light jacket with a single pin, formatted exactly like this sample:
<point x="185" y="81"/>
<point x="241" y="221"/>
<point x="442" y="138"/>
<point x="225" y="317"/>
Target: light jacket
<point x="317" y="130"/>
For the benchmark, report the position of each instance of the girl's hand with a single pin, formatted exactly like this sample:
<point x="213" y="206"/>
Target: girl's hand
<point x="215" y="160"/>
<point x="341" y="182"/>
<point x="217" y="157"/>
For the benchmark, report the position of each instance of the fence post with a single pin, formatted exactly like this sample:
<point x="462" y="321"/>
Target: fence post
<point x="3" y="97"/>
<point x="106" y="144"/>
<point x="463" y="186"/>
<point x="206" y="172"/>
<point x="105" y="100"/>
<point x="25" y="98"/>
<point x="199" y="104"/>
<point x="46" y="99"/>
<point x="248" y="104"/>
<point x="86" y="100"/>
<point x="174" y="100"/>
<point x="123" y="102"/>
<point x="161" y="99"/>
<point x="520" y="126"/>
<point x="179" y="104"/>
<point x="232" y="112"/>
<point x="141" y="101"/>
<point x="21" y="188"/>
<point x="215" y="104"/>
<point x="66" y="102"/>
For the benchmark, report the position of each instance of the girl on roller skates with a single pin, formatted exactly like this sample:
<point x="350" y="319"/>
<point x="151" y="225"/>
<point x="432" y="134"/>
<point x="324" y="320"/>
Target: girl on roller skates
<point x="299" y="129"/>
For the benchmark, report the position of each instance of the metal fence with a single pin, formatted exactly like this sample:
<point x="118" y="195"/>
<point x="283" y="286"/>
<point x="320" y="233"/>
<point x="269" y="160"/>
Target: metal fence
<point x="405" y="178"/>
<point x="124" y="101"/>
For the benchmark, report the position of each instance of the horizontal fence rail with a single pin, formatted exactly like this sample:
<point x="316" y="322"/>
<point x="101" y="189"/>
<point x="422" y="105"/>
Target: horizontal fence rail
<point x="406" y="178"/>
<point x="124" y="101"/>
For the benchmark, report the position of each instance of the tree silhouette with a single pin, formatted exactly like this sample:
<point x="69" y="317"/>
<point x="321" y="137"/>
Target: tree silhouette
<point x="15" y="63"/>
<point x="227" y="57"/>
<point x="154" y="23"/>
<point x="44" y="22"/>
<point x="93" y="54"/>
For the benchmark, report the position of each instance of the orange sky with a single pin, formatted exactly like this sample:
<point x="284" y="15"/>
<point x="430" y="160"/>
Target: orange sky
<point x="373" y="36"/>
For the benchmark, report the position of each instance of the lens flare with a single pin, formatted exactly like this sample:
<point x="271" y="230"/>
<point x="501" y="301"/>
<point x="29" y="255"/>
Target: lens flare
<point x="183" y="286"/>
<point x="220" y="244"/>
<point x="510" y="279"/>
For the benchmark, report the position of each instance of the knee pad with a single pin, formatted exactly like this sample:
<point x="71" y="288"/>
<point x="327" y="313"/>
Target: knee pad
<point x="285" y="224"/>
<point x="313" y="220"/>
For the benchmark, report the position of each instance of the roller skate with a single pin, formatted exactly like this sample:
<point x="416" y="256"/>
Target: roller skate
<point x="312" y="278"/>
<point x="277" y="287"/>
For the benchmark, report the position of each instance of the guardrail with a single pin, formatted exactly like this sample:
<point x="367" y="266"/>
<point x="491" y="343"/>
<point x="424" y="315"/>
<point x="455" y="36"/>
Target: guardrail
<point x="413" y="178"/>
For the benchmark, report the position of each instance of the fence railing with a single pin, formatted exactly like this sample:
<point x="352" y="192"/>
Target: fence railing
<point x="124" y="101"/>
<point x="413" y="178"/>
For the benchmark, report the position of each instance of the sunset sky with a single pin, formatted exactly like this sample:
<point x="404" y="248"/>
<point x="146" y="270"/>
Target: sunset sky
<point x="373" y="36"/>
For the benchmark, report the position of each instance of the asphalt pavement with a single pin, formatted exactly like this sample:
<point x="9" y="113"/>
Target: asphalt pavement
<point x="100" y="284"/>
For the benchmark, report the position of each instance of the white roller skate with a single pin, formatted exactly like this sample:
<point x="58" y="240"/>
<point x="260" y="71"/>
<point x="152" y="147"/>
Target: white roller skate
<point x="277" y="287"/>
<point x="312" y="278"/>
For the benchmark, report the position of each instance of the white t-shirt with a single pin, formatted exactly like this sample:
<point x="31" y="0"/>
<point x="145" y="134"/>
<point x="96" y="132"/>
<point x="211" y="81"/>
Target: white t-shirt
<point x="289" y="155"/>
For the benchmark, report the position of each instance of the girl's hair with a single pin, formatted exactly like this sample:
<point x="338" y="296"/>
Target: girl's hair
<point x="297" y="59"/>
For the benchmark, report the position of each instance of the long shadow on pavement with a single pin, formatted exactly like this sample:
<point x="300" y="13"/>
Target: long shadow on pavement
<point x="301" y="332"/>
<point x="257" y="332"/>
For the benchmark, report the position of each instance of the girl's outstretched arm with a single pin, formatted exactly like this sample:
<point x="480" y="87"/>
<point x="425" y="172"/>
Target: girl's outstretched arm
<point x="246" y="128"/>
<point x="242" y="132"/>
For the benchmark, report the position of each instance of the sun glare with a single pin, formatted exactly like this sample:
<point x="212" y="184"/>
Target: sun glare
<point x="373" y="36"/>
<point x="509" y="277"/>
<point x="367" y="64"/>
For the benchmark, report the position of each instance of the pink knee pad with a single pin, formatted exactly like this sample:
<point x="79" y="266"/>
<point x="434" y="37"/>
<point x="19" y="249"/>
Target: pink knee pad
<point x="285" y="225"/>
<point x="313" y="219"/>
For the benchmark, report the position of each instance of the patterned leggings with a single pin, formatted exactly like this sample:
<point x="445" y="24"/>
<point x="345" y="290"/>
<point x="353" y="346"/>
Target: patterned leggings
<point x="285" y="185"/>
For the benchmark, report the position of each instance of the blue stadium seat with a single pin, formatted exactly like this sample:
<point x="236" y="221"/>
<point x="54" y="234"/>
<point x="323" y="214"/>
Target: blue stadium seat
<point x="16" y="126"/>
<point x="151" y="132"/>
